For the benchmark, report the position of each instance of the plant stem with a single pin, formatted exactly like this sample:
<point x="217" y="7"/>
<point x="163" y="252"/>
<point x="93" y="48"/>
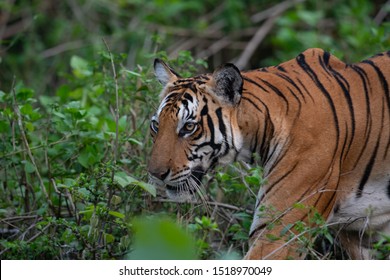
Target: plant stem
<point x="27" y="146"/>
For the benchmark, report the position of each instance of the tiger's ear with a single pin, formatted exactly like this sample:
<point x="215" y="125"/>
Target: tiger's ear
<point x="228" y="83"/>
<point x="163" y="72"/>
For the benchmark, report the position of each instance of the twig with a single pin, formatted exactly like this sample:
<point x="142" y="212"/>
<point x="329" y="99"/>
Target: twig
<point x="27" y="146"/>
<point x="39" y="233"/>
<point x="69" y="196"/>
<point x="32" y="238"/>
<point x="213" y="203"/>
<point x="116" y="141"/>
<point x="382" y="13"/>
<point x="262" y="32"/>
<point x="116" y="111"/>
<point x="16" y="218"/>
<point x="63" y="139"/>
<point x="61" y="48"/>
<point x="274" y="10"/>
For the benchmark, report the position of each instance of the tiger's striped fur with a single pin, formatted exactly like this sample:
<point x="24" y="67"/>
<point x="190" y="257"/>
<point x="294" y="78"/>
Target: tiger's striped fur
<point x="320" y="126"/>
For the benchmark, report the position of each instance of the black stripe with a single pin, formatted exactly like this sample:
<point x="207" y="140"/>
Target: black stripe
<point x="289" y="80"/>
<point x="346" y="88"/>
<point x="388" y="189"/>
<point x="251" y="102"/>
<point x="367" y="171"/>
<point x="210" y="124"/>
<point x="302" y="63"/>
<point x="222" y="127"/>
<point x="255" y="97"/>
<point x="281" y="178"/>
<point x="382" y="129"/>
<point x="254" y="143"/>
<point x="277" y="91"/>
<point x="343" y="149"/>
<point x="280" y="68"/>
<point x="280" y="157"/>
<point x="307" y="92"/>
<point x="385" y="87"/>
<point x="205" y="110"/>
<point x="326" y="57"/>
<point x="382" y="78"/>
<point x="255" y="83"/>
<point x="188" y="97"/>
<point x="363" y="76"/>
<point x="268" y="133"/>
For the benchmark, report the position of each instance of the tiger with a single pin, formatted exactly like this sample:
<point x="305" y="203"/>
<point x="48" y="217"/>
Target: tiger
<point x="318" y="127"/>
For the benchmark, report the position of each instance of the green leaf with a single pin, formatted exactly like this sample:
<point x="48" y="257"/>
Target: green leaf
<point x="122" y="123"/>
<point x="147" y="187"/>
<point x="2" y="94"/>
<point x="115" y="200"/>
<point x="123" y="179"/>
<point x="252" y="180"/>
<point x="109" y="238"/>
<point x="60" y="115"/>
<point x="4" y="126"/>
<point x="116" y="214"/>
<point x="298" y="205"/>
<point x="24" y="93"/>
<point x="286" y="229"/>
<point x="84" y="158"/>
<point x="135" y="142"/>
<point x="80" y="67"/>
<point x="89" y="156"/>
<point x="28" y="166"/>
<point x="132" y="73"/>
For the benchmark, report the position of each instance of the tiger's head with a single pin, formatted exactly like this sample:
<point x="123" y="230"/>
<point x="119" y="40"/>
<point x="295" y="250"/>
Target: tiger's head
<point x="194" y="128"/>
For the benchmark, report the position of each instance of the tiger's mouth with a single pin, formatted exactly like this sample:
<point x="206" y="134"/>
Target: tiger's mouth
<point x="186" y="189"/>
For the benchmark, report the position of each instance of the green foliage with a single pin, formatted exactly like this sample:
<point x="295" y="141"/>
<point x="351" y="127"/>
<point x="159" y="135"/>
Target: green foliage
<point x="74" y="138"/>
<point x="382" y="248"/>
<point x="59" y="162"/>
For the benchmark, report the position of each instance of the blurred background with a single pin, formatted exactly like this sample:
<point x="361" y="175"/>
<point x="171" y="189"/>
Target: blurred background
<point x="43" y="35"/>
<point x="76" y="95"/>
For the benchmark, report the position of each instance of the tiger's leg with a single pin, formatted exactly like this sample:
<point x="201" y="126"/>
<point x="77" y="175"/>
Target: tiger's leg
<point x="306" y="188"/>
<point x="265" y="244"/>
<point x="287" y="237"/>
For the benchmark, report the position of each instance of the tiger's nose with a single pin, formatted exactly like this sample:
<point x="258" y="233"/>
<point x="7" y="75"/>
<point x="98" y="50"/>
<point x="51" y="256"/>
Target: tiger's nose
<point x="160" y="174"/>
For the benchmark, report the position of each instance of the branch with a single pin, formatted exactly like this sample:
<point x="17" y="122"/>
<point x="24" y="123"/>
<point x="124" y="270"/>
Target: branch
<point x="263" y="31"/>
<point x="27" y="146"/>
<point x="214" y="203"/>
<point x="382" y="13"/>
<point x="116" y="111"/>
<point x="62" y="48"/>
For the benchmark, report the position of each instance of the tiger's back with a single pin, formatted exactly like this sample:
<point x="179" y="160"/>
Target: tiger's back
<point x="320" y="126"/>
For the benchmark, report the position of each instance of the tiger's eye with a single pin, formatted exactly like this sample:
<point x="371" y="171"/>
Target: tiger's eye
<point x="154" y="126"/>
<point x="190" y="126"/>
<point x="188" y="129"/>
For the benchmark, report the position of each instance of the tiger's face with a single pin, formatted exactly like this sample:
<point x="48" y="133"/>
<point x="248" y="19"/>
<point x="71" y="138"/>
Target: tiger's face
<point x="192" y="128"/>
